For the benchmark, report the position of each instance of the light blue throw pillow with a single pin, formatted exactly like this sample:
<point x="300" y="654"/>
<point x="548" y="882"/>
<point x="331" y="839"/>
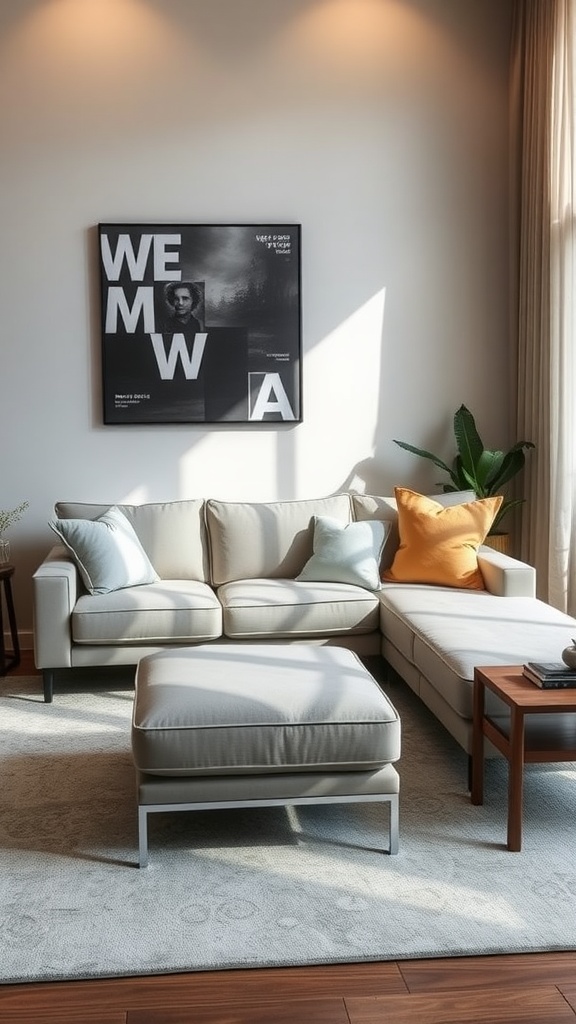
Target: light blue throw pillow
<point x="107" y="551"/>
<point x="346" y="552"/>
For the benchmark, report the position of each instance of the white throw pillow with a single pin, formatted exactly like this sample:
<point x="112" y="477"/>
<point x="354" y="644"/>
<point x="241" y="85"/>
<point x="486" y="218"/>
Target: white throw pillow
<point x="346" y="552"/>
<point x="107" y="551"/>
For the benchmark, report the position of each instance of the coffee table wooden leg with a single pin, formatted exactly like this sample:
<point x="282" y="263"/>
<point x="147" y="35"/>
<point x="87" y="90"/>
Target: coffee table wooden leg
<point x="477" y="789"/>
<point x="515" y="780"/>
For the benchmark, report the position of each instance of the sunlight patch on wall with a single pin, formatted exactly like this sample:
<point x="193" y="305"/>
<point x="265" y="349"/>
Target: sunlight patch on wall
<point x="206" y="471"/>
<point x="137" y="496"/>
<point x="341" y="396"/>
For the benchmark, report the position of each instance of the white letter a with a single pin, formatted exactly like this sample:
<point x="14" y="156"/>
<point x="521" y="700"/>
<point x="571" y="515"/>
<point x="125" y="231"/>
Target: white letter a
<point x="271" y="386"/>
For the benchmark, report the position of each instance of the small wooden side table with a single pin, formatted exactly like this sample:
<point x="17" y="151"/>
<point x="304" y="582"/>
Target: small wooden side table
<point x="521" y="739"/>
<point x="9" y="659"/>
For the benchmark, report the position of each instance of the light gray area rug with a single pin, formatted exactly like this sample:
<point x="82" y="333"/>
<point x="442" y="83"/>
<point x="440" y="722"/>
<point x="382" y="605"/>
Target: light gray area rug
<point x="260" y="887"/>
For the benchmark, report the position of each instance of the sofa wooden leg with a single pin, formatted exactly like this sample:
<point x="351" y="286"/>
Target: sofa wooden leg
<point x="48" y="681"/>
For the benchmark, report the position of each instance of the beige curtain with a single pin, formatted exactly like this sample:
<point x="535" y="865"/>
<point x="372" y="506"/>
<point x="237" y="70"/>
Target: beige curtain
<point x="543" y="250"/>
<point x="562" y="547"/>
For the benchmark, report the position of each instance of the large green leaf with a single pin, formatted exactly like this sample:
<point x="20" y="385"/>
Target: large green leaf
<point x="488" y="469"/>
<point x="468" y="440"/>
<point x="462" y="479"/>
<point x="512" y="463"/>
<point x="424" y="455"/>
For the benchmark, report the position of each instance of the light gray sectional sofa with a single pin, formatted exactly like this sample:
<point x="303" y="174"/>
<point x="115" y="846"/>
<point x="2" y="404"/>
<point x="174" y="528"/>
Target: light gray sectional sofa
<point x="227" y="573"/>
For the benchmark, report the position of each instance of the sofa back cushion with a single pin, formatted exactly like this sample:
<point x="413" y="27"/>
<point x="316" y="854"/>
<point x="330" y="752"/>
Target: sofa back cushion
<point x="172" y="533"/>
<point x="372" y="506"/>
<point x="266" y="540"/>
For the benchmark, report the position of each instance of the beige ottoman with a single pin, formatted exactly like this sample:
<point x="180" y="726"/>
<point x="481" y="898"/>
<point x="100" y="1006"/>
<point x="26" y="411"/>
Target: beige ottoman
<point x="249" y="725"/>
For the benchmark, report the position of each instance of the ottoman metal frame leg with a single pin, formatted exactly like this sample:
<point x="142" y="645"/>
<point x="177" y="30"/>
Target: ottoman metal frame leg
<point x="145" y="809"/>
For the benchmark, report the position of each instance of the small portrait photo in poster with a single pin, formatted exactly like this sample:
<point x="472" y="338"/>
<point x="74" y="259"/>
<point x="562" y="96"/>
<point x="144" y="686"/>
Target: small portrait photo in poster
<point x="201" y="323"/>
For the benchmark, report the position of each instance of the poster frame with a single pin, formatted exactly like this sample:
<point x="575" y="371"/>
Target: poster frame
<point x="236" y="359"/>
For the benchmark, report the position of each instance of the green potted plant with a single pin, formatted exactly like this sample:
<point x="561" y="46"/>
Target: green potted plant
<point x="7" y="518"/>
<point x="478" y="468"/>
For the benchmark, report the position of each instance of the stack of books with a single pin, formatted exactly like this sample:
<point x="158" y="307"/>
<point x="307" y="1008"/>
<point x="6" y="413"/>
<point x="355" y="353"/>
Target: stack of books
<point x="550" y="675"/>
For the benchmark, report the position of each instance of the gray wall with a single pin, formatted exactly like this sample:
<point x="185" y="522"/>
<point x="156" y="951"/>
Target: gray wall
<point x="379" y="125"/>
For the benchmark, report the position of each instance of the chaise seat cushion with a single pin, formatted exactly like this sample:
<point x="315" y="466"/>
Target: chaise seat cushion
<point x="170" y="611"/>
<point x="263" y="608"/>
<point x="445" y="633"/>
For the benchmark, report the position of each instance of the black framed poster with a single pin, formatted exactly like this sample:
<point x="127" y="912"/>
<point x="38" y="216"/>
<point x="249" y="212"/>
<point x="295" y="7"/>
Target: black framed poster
<point x="201" y="323"/>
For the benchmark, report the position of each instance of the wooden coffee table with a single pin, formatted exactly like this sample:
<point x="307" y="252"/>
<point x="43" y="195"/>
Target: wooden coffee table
<point x="520" y="737"/>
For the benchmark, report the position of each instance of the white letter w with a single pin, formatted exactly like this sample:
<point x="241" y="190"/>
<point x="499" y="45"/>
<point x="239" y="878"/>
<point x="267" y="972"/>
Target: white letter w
<point x="190" y="363"/>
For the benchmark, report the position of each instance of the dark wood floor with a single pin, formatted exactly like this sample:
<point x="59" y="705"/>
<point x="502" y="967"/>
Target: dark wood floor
<point x="527" y="989"/>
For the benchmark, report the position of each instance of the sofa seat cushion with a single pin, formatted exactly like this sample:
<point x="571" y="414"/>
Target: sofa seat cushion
<point x="445" y="633"/>
<point x="171" y="611"/>
<point x="286" y="608"/>
<point x="251" y="709"/>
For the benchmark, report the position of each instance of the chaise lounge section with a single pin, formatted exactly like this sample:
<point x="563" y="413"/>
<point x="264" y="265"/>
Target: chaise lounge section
<point x="434" y="636"/>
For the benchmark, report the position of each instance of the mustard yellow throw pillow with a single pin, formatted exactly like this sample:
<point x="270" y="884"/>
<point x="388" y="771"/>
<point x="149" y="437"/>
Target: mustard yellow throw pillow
<point x="439" y="545"/>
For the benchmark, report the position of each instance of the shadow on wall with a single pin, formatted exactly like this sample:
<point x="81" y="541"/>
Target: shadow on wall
<point x="367" y="477"/>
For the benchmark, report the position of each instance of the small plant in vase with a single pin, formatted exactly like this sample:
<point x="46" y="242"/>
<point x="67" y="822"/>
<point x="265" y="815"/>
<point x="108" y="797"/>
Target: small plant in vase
<point x="7" y="519"/>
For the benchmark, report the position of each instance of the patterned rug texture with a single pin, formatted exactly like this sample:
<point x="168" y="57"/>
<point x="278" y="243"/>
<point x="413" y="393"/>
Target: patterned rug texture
<point x="267" y="886"/>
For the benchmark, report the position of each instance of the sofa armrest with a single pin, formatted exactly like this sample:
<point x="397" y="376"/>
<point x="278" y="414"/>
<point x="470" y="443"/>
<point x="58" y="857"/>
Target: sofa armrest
<point x="505" y="576"/>
<point x="55" y="591"/>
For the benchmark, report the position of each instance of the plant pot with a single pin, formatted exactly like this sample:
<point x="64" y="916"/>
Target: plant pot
<point x="499" y="542"/>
